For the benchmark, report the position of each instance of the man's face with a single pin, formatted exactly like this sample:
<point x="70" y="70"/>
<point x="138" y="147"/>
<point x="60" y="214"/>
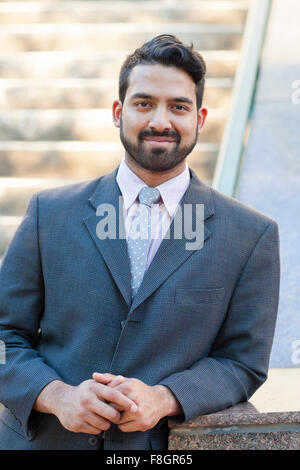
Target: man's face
<point x="159" y="122"/>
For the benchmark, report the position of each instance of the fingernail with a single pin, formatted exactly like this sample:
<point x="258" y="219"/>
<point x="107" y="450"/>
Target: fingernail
<point x="133" y="408"/>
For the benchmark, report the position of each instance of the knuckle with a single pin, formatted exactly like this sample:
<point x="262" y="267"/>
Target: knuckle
<point x="126" y="388"/>
<point x="114" y="394"/>
<point x="85" y="383"/>
<point x="85" y="402"/>
<point x="90" y="385"/>
<point x="81" y="414"/>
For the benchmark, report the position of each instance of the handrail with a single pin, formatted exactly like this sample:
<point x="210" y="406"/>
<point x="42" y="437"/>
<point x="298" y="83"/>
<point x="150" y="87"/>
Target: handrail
<point x="231" y="148"/>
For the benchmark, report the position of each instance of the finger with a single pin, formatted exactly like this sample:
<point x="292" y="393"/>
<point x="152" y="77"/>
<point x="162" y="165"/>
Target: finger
<point x="90" y="424"/>
<point x="127" y="418"/>
<point x="112" y="395"/>
<point x="131" y="426"/>
<point x="116" y="407"/>
<point x="109" y="379"/>
<point x="105" y="410"/>
<point x="97" y="422"/>
<point x="91" y="404"/>
<point x="88" y="429"/>
<point x="119" y="379"/>
<point x="103" y="378"/>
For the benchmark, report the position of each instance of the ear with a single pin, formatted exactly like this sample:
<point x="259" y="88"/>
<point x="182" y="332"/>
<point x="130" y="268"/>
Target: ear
<point x="116" y="112"/>
<point x="202" y="113"/>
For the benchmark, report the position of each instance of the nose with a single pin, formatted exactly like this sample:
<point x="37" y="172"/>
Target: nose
<point x="159" y="120"/>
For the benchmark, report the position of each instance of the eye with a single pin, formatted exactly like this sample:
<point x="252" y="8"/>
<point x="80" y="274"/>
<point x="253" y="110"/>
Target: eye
<point x="179" y="107"/>
<point x="142" y="104"/>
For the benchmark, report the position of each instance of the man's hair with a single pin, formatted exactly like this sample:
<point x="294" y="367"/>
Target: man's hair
<point x="169" y="51"/>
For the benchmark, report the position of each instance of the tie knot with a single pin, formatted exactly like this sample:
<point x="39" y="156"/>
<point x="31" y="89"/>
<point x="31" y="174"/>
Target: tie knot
<point x="149" y="196"/>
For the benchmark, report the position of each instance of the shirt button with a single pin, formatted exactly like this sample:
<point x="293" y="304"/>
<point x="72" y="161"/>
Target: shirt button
<point x="93" y="440"/>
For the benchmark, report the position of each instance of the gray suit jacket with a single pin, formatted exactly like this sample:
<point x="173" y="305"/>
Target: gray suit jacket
<point x="202" y="322"/>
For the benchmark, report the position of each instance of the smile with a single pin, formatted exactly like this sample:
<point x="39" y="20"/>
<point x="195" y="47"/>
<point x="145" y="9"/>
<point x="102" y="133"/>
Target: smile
<point x="160" y="141"/>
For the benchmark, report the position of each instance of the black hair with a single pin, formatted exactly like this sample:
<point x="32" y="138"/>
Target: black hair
<point x="166" y="50"/>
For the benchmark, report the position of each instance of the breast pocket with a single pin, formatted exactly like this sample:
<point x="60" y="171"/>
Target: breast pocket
<point x="191" y="296"/>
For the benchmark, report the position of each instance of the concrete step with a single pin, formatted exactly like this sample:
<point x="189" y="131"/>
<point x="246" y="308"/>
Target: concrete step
<point x="123" y="11"/>
<point x="74" y="64"/>
<point x="79" y="160"/>
<point x="83" y="124"/>
<point x="88" y="93"/>
<point x="59" y="65"/>
<point x="8" y="226"/>
<point x="16" y="192"/>
<point x="114" y="36"/>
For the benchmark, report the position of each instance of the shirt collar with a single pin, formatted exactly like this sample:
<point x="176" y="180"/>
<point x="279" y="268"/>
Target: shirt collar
<point x="171" y="191"/>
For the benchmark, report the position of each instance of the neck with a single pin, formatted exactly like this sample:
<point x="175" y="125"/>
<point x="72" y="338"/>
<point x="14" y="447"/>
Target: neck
<point x="154" y="178"/>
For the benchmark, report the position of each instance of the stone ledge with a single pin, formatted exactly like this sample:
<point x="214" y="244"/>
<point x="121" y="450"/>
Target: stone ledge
<point x="268" y="421"/>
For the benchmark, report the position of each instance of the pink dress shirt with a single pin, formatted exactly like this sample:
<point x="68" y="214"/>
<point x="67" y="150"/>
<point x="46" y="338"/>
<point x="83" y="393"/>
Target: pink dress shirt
<point x="171" y="192"/>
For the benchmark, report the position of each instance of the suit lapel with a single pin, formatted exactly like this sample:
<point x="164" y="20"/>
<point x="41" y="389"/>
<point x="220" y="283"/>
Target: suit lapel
<point x="114" y="251"/>
<point x="172" y="252"/>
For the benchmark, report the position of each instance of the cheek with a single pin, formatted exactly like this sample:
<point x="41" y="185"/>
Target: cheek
<point x="186" y="125"/>
<point x="188" y="131"/>
<point x="132" y="126"/>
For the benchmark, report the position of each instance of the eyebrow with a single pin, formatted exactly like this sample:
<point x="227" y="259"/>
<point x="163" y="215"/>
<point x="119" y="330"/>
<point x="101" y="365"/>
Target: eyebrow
<point x="179" y="99"/>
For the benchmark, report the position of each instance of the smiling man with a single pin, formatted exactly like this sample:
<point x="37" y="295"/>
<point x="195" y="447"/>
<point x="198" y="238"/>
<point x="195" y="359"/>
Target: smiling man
<point x="162" y="119"/>
<point x="109" y="338"/>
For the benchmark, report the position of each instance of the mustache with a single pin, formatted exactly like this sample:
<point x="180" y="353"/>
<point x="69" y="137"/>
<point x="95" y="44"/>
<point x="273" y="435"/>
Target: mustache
<point x="147" y="133"/>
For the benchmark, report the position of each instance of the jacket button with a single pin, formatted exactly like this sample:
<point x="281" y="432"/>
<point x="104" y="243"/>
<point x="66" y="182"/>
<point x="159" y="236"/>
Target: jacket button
<point x="93" y="440"/>
<point x="123" y="323"/>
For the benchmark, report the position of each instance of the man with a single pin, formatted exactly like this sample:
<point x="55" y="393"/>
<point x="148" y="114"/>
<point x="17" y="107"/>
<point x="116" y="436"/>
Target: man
<point x="108" y="337"/>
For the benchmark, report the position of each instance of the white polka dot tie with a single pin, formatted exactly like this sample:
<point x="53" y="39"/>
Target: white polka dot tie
<point x="139" y="237"/>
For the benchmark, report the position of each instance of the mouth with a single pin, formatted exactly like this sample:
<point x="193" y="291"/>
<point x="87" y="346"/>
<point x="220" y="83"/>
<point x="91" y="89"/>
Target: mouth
<point x="159" y="141"/>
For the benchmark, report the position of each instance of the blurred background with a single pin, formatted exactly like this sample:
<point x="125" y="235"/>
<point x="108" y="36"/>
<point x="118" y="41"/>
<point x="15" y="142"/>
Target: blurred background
<point x="59" y="66"/>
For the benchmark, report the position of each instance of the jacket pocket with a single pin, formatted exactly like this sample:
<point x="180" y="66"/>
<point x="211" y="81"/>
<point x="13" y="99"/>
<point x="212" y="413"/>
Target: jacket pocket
<point x="191" y="296"/>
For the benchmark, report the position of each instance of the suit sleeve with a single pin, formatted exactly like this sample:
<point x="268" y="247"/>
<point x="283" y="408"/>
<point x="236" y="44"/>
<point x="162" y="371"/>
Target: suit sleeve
<point x="239" y="359"/>
<point x="24" y="373"/>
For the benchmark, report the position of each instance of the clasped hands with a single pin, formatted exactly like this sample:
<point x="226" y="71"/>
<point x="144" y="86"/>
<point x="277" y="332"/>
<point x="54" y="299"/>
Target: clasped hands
<point x="146" y="409"/>
<point x="93" y="405"/>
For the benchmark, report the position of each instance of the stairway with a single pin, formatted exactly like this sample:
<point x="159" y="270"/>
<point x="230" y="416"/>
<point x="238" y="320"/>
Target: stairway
<point x="59" y="65"/>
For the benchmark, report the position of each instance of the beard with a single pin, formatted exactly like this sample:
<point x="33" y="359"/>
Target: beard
<point x="157" y="159"/>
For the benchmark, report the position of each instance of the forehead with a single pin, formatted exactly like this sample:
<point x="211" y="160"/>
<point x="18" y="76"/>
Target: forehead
<point x="160" y="81"/>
